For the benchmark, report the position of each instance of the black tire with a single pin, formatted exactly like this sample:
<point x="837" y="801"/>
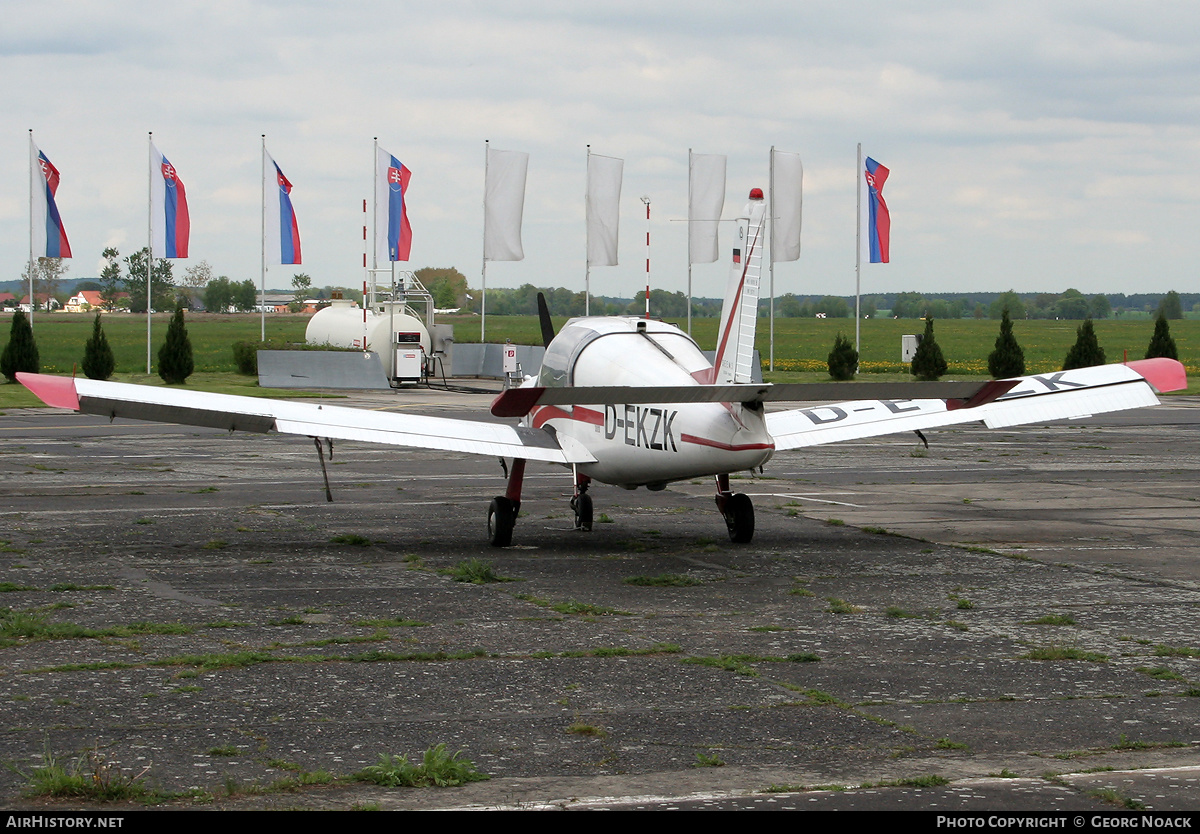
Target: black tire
<point x="502" y="518"/>
<point x="582" y="505"/>
<point x="739" y="518"/>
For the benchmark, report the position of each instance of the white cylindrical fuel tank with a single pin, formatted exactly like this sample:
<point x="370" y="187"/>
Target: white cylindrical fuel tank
<point x="341" y="325"/>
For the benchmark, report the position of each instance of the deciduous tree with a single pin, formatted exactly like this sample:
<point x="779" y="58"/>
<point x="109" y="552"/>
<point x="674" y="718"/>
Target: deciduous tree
<point x="162" y="287"/>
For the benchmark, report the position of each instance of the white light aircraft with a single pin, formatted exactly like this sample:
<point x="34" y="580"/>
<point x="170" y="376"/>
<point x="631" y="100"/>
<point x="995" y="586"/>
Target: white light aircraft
<point x="633" y="402"/>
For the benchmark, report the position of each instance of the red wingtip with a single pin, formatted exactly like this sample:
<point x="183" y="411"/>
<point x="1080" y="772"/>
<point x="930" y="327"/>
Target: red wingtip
<point x="516" y="402"/>
<point x="56" y="391"/>
<point x="1164" y="374"/>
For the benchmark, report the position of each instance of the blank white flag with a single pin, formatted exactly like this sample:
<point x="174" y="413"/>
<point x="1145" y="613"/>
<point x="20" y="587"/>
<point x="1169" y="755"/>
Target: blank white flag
<point x="787" y="202"/>
<point x="504" y="204"/>
<point x="603" y="209"/>
<point x="706" y="190"/>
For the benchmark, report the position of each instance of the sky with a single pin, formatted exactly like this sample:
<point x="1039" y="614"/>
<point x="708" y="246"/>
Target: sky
<point x="1032" y="145"/>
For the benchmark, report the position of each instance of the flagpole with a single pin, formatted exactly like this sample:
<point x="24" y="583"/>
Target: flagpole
<point x="262" y="293"/>
<point x="689" y="244"/>
<point x="483" y="293"/>
<point x="375" y="245"/>
<point x="858" y="249"/>
<point x="150" y="236"/>
<point x="587" y="237"/>
<point x="32" y="300"/>
<point x="771" y="239"/>
<point x="374" y="209"/>
<point x="646" y="200"/>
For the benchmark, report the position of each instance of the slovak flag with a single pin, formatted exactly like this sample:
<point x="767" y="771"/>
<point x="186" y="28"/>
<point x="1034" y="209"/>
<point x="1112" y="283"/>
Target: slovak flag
<point x="49" y="235"/>
<point x="169" y="222"/>
<point x="282" y="233"/>
<point x="879" y="221"/>
<point x="393" y="234"/>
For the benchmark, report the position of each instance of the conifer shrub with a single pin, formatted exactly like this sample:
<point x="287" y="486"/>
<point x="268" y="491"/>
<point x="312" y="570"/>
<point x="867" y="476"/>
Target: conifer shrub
<point x="843" y="359"/>
<point x="928" y="363"/>
<point x="1007" y="360"/>
<point x="1086" y="351"/>
<point x="175" y="363"/>
<point x="98" y="361"/>
<point x="21" y="353"/>
<point x="1161" y="343"/>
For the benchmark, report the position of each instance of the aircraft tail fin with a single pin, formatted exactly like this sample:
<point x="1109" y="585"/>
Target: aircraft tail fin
<point x="739" y="313"/>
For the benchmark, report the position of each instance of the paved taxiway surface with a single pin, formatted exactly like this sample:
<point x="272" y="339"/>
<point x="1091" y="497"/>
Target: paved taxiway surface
<point x="574" y="688"/>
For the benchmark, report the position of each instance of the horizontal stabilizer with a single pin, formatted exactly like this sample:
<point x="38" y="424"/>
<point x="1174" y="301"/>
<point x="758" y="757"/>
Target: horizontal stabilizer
<point x="518" y="402"/>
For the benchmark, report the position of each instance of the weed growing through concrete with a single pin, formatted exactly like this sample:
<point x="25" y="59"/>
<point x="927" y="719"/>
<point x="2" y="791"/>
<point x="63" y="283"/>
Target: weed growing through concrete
<point x="475" y="571"/>
<point x="709" y="760"/>
<point x="90" y="776"/>
<point x="663" y="580"/>
<point x="1052" y="619"/>
<point x="437" y="768"/>
<point x="1161" y="673"/>
<point x="1064" y="653"/>
<point x="840" y="606"/>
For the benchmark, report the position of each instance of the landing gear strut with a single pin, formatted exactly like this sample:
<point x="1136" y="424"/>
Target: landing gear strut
<point x="738" y="511"/>
<point x="502" y="512"/>
<point x="581" y="503"/>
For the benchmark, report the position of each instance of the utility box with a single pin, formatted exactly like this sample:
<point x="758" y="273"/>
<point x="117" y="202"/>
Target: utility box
<point x="409" y="357"/>
<point x="908" y="347"/>
<point x="441" y="358"/>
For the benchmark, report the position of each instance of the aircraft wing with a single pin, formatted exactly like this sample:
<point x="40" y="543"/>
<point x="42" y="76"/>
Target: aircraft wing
<point x="1032" y="399"/>
<point x="225" y="411"/>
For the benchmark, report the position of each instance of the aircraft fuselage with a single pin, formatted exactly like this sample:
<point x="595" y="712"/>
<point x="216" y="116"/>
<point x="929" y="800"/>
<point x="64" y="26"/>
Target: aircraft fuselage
<point x="637" y="444"/>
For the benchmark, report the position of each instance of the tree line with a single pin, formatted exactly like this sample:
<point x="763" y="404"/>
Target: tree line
<point x="1007" y="360"/>
<point x="122" y="285"/>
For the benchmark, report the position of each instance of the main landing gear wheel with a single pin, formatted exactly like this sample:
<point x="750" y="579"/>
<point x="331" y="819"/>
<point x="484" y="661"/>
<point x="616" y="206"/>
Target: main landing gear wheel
<point x="502" y="518"/>
<point x="582" y="505"/>
<point x="739" y="518"/>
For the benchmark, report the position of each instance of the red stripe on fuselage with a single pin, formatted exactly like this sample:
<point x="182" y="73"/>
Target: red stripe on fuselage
<point x="716" y="444"/>
<point x="578" y="413"/>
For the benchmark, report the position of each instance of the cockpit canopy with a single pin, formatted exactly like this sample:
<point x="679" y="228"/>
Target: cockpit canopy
<point x="620" y="350"/>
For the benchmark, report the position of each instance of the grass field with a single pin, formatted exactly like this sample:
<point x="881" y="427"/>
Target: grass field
<point x="804" y="344"/>
<point x="801" y="345"/>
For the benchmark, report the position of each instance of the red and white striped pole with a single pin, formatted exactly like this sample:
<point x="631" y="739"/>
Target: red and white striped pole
<point x="646" y="200"/>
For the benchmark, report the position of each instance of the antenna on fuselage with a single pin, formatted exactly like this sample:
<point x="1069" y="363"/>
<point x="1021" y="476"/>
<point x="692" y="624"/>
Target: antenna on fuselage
<point x="544" y="318"/>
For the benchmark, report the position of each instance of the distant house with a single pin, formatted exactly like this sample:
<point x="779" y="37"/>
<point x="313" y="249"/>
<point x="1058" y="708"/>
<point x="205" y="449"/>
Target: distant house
<point x="85" y="301"/>
<point x="7" y="299"/>
<point x="42" y="300"/>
